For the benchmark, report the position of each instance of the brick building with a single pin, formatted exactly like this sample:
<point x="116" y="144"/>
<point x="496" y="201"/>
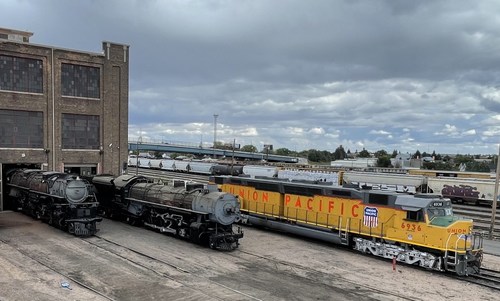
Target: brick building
<point x="60" y="109"/>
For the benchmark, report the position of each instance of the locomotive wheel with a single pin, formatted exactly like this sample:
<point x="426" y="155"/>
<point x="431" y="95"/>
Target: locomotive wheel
<point x="103" y="213"/>
<point x="71" y="228"/>
<point x="131" y="221"/>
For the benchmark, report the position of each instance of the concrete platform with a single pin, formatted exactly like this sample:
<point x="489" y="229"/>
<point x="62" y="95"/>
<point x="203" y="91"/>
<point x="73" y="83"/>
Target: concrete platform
<point x="130" y="263"/>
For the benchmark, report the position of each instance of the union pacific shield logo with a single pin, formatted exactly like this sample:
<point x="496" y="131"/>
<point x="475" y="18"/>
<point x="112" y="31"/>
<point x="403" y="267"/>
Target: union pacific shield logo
<point x="370" y="217"/>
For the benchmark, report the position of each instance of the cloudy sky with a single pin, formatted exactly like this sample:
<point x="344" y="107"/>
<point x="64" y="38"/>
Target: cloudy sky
<point x="402" y="75"/>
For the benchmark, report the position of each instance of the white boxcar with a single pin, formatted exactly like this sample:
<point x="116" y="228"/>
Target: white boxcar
<point x="260" y="171"/>
<point x="308" y="175"/>
<point x="155" y="163"/>
<point x="132" y="160"/>
<point x="462" y="189"/>
<point x="181" y="166"/>
<point x="167" y="164"/>
<point x="144" y="163"/>
<point x="386" y="181"/>
<point x="201" y="167"/>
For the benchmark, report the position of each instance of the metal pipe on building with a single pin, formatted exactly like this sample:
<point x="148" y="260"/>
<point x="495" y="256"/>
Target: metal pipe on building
<point x="53" y="112"/>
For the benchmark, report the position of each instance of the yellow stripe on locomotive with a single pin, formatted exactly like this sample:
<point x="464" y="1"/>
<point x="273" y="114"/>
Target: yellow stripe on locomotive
<point x="425" y="222"/>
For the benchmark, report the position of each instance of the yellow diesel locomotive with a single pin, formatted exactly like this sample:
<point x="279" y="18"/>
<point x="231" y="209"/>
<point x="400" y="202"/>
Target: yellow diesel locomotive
<point x="413" y="229"/>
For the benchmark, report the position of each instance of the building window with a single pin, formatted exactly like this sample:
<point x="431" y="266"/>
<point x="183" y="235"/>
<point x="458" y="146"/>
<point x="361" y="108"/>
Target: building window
<point x="21" y="129"/>
<point x="21" y="74"/>
<point x="80" y="81"/>
<point x="80" y="131"/>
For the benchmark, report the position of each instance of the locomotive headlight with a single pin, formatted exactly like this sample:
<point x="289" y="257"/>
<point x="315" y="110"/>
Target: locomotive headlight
<point x="228" y="208"/>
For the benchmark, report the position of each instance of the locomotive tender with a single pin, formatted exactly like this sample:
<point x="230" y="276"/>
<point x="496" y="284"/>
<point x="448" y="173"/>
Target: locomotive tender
<point x="190" y="211"/>
<point x="63" y="200"/>
<point x="413" y="229"/>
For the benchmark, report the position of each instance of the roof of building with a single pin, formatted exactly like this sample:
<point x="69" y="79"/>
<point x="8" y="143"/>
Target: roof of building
<point x="15" y="35"/>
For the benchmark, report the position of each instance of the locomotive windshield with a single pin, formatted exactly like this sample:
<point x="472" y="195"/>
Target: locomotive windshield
<point x="435" y="212"/>
<point x="440" y="213"/>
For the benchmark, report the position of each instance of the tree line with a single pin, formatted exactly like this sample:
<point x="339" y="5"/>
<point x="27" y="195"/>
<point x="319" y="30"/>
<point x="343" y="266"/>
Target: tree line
<point x="438" y="162"/>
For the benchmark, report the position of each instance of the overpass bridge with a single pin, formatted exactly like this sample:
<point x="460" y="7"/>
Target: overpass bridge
<point x="203" y="151"/>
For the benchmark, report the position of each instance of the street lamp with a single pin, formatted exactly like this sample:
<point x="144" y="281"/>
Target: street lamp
<point x="215" y="131"/>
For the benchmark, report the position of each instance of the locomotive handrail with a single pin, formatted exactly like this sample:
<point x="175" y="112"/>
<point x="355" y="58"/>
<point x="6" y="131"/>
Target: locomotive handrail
<point x="164" y="205"/>
<point x="465" y="243"/>
<point x="387" y="221"/>
<point x="447" y="243"/>
<point x="339" y="224"/>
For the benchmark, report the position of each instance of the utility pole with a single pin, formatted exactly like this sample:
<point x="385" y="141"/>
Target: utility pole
<point x="215" y="131"/>
<point x="137" y="158"/>
<point x="495" y="197"/>
<point x="232" y="160"/>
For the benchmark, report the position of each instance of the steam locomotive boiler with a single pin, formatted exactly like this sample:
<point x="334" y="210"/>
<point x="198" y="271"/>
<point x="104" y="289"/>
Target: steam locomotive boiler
<point x="62" y="200"/>
<point x="191" y="211"/>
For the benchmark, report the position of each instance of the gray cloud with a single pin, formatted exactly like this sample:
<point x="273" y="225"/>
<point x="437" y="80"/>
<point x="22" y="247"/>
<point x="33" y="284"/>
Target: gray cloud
<point x="388" y="75"/>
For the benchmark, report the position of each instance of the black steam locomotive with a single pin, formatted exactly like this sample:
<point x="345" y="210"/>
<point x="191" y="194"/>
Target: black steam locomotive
<point x="62" y="200"/>
<point x="191" y="211"/>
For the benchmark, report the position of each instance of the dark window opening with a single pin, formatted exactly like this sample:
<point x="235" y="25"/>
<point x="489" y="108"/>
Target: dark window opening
<point x="379" y="199"/>
<point x="338" y="192"/>
<point x="80" y="81"/>
<point x="21" y="74"/>
<point x="80" y="131"/>
<point x="21" y="129"/>
<point x="302" y="190"/>
<point x="417" y="216"/>
<point x="265" y="186"/>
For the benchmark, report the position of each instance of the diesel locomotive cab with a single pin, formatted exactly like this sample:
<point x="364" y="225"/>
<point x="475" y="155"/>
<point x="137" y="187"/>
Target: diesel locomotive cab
<point x="440" y="210"/>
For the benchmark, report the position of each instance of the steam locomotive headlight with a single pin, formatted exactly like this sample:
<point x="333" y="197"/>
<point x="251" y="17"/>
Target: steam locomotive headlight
<point x="229" y="209"/>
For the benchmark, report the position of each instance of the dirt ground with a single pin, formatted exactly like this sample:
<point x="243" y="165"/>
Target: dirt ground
<point x="129" y="263"/>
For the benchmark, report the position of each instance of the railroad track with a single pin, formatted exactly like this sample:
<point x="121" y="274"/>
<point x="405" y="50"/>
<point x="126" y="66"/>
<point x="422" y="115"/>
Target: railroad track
<point x="58" y="271"/>
<point x="481" y="215"/>
<point x="162" y="267"/>
<point x="487" y="278"/>
<point x="319" y="274"/>
<point x="154" y="264"/>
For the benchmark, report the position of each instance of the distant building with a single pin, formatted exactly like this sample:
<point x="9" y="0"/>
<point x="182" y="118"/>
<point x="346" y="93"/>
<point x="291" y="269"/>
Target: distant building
<point x="146" y="155"/>
<point x="301" y="160"/>
<point x="354" y="163"/>
<point x="405" y="161"/>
